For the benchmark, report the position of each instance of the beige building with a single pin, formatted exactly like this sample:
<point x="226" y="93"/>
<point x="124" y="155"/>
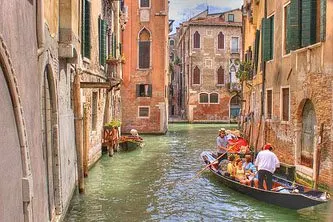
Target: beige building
<point x="289" y="97"/>
<point x="209" y="50"/>
<point x="43" y="94"/>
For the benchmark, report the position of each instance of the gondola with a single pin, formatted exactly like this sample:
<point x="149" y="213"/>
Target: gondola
<point x="130" y="142"/>
<point x="287" y="194"/>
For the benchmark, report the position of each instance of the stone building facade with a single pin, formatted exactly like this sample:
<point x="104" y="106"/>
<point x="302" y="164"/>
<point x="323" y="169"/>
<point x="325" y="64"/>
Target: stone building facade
<point x="289" y="97"/>
<point x="144" y="88"/>
<point x="209" y="49"/>
<point x="38" y="140"/>
<point x="176" y="83"/>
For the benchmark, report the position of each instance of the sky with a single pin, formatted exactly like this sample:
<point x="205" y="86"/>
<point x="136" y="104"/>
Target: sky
<point x="182" y="10"/>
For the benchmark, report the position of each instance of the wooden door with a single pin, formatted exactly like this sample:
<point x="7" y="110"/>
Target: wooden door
<point x="308" y="125"/>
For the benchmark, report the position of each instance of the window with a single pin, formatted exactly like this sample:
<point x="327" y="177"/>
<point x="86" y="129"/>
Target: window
<point x="196" y="75"/>
<point x="86" y="5"/>
<point x="214" y="98"/>
<point x="94" y="111"/>
<point x="235" y="101"/>
<point x="285" y="104"/>
<point x="220" y="76"/>
<point x="220" y="41"/>
<point x="286" y="40"/>
<point x="234" y="45"/>
<point x="231" y="17"/>
<point x="268" y="38"/>
<point x="102" y="27"/>
<point x="144" y="111"/>
<point x="269" y="103"/>
<point x="144" y="49"/>
<point x="306" y="24"/>
<point x="208" y="63"/>
<point x="203" y="97"/>
<point x="144" y="3"/>
<point x="196" y="40"/>
<point x="143" y="90"/>
<point x="172" y="57"/>
<point x="172" y="42"/>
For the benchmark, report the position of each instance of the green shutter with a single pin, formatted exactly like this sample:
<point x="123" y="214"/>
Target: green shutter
<point x="256" y="51"/>
<point x="103" y="41"/>
<point x="309" y="18"/>
<point x="86" y="51"/>
<point x="83" y="26"/>
<point x="114" y="46"/>
<point x="100" y="39"/>
<point x="266" y="31"/>
<point x="294" y="25"/>
<point x="150" y="93"/>
<point x="287" y="30"/>
<point x="323" y="20"/>
<point x="271" y="19"/>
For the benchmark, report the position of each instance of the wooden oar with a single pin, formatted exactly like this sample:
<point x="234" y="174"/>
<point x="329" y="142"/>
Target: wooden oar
<point x="203" y="169"/>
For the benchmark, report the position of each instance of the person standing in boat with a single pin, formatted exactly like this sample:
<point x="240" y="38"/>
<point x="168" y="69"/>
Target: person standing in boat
<point x="266" y="162"/>
<point x="222" y="144"/>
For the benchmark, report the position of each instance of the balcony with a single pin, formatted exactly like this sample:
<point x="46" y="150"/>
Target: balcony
<point x="234" y="87"/>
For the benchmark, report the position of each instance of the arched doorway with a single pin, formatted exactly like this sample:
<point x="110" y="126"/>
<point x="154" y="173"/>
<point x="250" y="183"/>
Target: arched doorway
<point x="235" y="106"/>
<point x="308" y="134"/>
<point x="50" y="142"/>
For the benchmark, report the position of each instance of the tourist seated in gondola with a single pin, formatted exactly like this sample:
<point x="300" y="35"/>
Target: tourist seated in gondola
<point x="239" y="173"/>
<point x="251" y="170"/>
<point x="135" y="134"/>
<point x="231" y="165"/>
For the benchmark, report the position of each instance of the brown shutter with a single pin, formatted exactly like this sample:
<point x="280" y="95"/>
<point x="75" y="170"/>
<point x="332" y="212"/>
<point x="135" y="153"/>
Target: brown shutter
<point x="144" y="54"/>
<point x="196" y="40"/>
<point x="220" y="41"/>
<point x="269" y="104"/>
<point x="285" y="108"/>
<point x="220" y="76"/>
<point x="196" y="76"/>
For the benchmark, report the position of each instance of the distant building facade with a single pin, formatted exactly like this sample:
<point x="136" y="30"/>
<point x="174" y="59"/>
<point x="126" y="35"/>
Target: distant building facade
<point x="209" y="48"/>
<point x="289" y="96"/>
<point x="144" y="88"/>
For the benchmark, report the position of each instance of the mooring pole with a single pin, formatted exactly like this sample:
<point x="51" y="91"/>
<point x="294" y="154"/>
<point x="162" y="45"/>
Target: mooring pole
<point x="78" y="120"/>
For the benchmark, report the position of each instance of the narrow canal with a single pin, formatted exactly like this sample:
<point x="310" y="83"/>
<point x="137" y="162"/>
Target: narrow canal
<point x="150" y="184"/>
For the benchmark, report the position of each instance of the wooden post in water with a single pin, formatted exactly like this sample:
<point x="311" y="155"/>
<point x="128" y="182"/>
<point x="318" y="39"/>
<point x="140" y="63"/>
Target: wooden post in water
<point x="318" y="156"/>
<point x="78" y="130"/>
<point x="85" y="141"/>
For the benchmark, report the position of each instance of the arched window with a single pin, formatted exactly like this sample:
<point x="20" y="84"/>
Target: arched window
<point x="172" y="56"/>
<point x="203" y="97"/>
<point x="220" y="39"/>
<point x="220" y="76"/>
<point x="172" y="42"/>
<point x="235" y="101"/>
<point x="144" y="49"/>
<point x="196" y="40"/>
<point x="196" y="75"/>
<point x="214" y="98"/>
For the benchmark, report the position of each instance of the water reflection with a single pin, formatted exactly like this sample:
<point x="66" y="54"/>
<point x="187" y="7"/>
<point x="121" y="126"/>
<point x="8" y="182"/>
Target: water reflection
<point x="156" y="184"/>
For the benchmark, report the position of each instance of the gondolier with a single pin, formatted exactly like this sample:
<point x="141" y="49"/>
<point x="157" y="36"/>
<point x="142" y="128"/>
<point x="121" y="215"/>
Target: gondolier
<point x="266" y="162"/>
<point x="221" y="144"/>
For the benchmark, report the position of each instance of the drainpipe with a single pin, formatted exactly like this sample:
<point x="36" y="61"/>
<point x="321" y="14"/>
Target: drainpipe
<point x="263" y="85"/>
<point x="78" y="121"/>
<point x="40" y="27"/>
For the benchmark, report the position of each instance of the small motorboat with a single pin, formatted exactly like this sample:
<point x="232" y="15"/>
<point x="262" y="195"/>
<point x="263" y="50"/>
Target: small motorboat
<point x="285" y="193"/>
<point x="130" y="142"/>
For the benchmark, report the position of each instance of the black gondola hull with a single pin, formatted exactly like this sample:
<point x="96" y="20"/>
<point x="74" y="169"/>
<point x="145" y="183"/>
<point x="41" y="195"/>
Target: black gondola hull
<point x="287" y="200"/>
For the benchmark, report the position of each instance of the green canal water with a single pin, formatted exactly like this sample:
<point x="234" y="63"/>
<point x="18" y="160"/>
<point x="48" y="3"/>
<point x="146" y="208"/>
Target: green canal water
<point x="151" y="184"/>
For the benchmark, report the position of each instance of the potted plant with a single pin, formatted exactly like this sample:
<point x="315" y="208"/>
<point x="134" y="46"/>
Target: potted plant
<point x="122" y="59"/>
<point x="112" y="60"/>
<point x="112" y="124"/>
